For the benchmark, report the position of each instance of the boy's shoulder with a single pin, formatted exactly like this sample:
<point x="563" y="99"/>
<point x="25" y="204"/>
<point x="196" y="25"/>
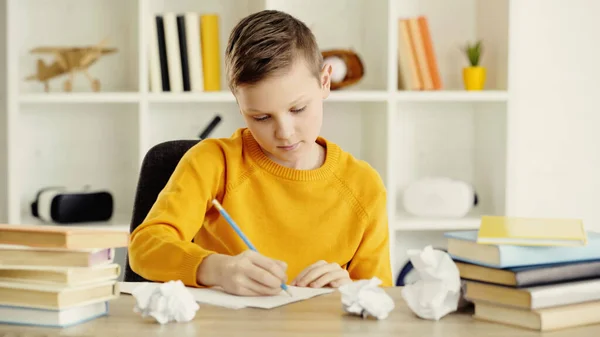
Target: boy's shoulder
<point x="221" y="147"/>
<point x="359" y="176"/>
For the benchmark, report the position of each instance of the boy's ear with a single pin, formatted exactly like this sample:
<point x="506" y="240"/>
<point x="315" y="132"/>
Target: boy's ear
<point x="326" y="79"/>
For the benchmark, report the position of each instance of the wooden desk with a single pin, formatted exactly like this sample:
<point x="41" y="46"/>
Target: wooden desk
<point x="319" y="316"/>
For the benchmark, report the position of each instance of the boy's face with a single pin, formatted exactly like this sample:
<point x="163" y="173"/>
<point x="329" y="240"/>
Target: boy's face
<point x="285" y="113"/>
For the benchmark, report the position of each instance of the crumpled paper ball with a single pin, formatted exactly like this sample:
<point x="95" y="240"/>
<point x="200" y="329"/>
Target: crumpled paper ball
<point x="167" y="302"/>
<point x="438" y="290"/>
<point x="365" y="298"/>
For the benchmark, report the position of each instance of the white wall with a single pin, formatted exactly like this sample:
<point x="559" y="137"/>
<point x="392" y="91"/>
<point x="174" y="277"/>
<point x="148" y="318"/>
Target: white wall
<point x="3" y="118"/>
<point x="554" y="114"/>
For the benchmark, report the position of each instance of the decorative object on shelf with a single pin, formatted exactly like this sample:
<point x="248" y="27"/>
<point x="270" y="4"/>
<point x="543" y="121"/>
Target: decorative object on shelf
<point x="474" y="75"/>
<point x="57" y="204"/>
<point x="69" y="60"/>
<point x="439" y="197"/>
<point x="347" y="67"/>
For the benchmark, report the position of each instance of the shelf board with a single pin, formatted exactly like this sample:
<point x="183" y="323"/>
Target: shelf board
<point x="452" y="96"/>
<point x="118" y="222"/>
<point x="357" y="96"/>
<point x="411" y="223"/>
<point x="226" y="96"/>
<point x="189" y="97"/>
<point x="80" y="97"/>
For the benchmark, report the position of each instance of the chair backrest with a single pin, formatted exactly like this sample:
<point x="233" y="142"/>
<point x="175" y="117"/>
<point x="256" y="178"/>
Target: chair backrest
<point x="157" y="167"/>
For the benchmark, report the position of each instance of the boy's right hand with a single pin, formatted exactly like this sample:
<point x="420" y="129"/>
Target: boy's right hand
<point x="246" y="274"/>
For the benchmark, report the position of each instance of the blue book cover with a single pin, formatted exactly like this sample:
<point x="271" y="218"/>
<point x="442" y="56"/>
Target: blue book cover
<point x="518" y="256"/>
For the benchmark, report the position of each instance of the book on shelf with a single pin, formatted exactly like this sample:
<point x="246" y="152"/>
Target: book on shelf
<point x="529" y="285"/>
<point x="417" y="61"/>
<point x="57" y="276"/>
<point x="183" y="52"/>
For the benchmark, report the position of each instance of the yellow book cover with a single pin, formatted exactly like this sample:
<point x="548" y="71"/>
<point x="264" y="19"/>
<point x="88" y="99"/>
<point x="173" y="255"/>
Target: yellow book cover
<point x="521" y="231"/>
<point x="209" y="41"/>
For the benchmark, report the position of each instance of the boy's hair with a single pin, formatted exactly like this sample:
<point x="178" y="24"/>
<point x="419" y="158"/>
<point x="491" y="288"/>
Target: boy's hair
<point x="268" y="42"/>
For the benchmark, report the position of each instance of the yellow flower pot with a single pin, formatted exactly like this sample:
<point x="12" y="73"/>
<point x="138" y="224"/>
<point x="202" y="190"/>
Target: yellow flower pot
<point x="474" y="78"/>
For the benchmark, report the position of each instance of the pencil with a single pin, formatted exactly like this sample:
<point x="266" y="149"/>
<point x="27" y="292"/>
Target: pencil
<point x="241" y="234"/>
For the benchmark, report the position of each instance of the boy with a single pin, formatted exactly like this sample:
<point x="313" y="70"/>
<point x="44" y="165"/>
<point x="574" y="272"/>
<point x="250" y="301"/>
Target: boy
<point x="316" y="214"/>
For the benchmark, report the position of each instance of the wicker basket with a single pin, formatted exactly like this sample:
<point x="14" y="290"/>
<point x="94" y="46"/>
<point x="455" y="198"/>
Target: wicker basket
<point x="355" y="68"/>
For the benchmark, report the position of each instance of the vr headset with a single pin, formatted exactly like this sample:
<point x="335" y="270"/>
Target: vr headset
<point x="57" y="204"/>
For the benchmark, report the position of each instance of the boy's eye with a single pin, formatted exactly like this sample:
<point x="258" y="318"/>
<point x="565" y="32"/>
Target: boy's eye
<point x="261" y="118"/>
<point x="298" y="109"/>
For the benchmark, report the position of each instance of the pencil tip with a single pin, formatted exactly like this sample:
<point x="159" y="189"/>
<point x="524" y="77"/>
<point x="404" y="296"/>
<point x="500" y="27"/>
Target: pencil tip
<point x="216" y="204"/>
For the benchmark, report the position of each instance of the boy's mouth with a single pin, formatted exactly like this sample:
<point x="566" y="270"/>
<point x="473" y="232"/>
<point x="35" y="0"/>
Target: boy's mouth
<point x="289" y="147"/>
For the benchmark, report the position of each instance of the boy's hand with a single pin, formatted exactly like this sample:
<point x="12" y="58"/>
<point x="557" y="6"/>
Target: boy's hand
<point x="246" y="274"/>
<point x="321" y="274"/>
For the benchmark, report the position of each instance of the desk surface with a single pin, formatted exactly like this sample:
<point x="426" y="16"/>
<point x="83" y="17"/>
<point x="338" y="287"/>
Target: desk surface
<point x="319" y="316"/>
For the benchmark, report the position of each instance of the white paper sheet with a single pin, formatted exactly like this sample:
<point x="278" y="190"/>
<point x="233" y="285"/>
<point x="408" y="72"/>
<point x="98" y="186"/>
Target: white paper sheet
<point x="215" y="296"/>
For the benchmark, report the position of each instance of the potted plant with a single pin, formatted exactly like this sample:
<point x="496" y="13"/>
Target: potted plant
<point x="474" y="74"/>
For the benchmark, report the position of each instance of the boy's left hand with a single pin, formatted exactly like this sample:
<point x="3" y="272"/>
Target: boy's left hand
<point x="321" y="274"/>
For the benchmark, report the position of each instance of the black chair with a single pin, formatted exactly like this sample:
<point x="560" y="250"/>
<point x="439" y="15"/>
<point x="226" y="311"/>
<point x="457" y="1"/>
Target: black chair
<point x="157" y="167"/>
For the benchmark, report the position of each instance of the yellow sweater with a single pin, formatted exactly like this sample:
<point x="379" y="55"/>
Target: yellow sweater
<point x="335" y="213"/>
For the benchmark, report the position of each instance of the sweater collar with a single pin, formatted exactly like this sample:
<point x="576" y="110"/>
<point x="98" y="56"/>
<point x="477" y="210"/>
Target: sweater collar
<point x="332" y="154"/>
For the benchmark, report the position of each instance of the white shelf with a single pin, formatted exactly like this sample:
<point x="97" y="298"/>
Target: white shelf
<point x="452" y="96"/>
<point x="409" y="223"/>
<point x="189" y="97"/>
<point x="357" y="96"/>
<point x="184" y="97"/>
<point x="404" y="135"/>
<point x="78" y="97"/>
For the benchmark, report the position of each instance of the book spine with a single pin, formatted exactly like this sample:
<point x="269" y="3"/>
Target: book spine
<point x="558" y="273"/>
<point x="211" y="64"/>
<point x="192" y="32"/>
<point x="554" y="295"/>
<point x="154" y="57"/>
<point x="162" y="53"/>
<point x="183" y="52"/>
<point x="173" y="53"/>
<point x="517" y="256"/>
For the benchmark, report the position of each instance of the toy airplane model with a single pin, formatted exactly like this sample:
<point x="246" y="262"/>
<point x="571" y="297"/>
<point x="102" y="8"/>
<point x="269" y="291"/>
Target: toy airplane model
<point x="69" y="60"/>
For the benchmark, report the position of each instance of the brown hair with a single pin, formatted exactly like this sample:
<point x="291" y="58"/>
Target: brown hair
<point x="265" y="43"/>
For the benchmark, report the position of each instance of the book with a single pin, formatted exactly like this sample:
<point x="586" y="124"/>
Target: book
<point x="463" y="246"/>
<point x="52" y="318"/>
<point x="56" y="297"/>
<point x="210" y="51"/>
<point x="69" y="237"/>
<point x="531" y="231"/>
<point x="530" y="275"/>
<point x="548" y="319"/>
<point x="183" y="52"/>
<point x="17" y="255"/>
<point x="173" y="51"/>
<point x="66" y="276"/>
<point x="538" y="297"/>
<point x="192" y="32"/>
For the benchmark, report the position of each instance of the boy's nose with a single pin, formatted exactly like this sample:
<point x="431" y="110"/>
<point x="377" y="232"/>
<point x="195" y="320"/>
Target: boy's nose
<point x="285" y="129"/>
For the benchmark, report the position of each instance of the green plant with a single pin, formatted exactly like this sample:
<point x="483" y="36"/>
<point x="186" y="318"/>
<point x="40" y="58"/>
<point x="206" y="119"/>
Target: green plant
<point x="473" y="52"/>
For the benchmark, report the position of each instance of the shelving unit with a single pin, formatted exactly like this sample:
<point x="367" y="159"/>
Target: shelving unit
<point x="99" y="139"/>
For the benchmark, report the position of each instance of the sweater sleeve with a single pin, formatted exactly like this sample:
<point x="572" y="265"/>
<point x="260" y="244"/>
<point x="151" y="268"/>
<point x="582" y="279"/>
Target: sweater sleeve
<point x="372" y="259"/>
<point x="161" y="248"/>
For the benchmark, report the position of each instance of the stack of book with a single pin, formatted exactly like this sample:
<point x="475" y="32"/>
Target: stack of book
<point x="541" y="274"/>
<point x="417" y="62"/>
<point x="184" y="52"/>
<point x="57" y="276"/>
